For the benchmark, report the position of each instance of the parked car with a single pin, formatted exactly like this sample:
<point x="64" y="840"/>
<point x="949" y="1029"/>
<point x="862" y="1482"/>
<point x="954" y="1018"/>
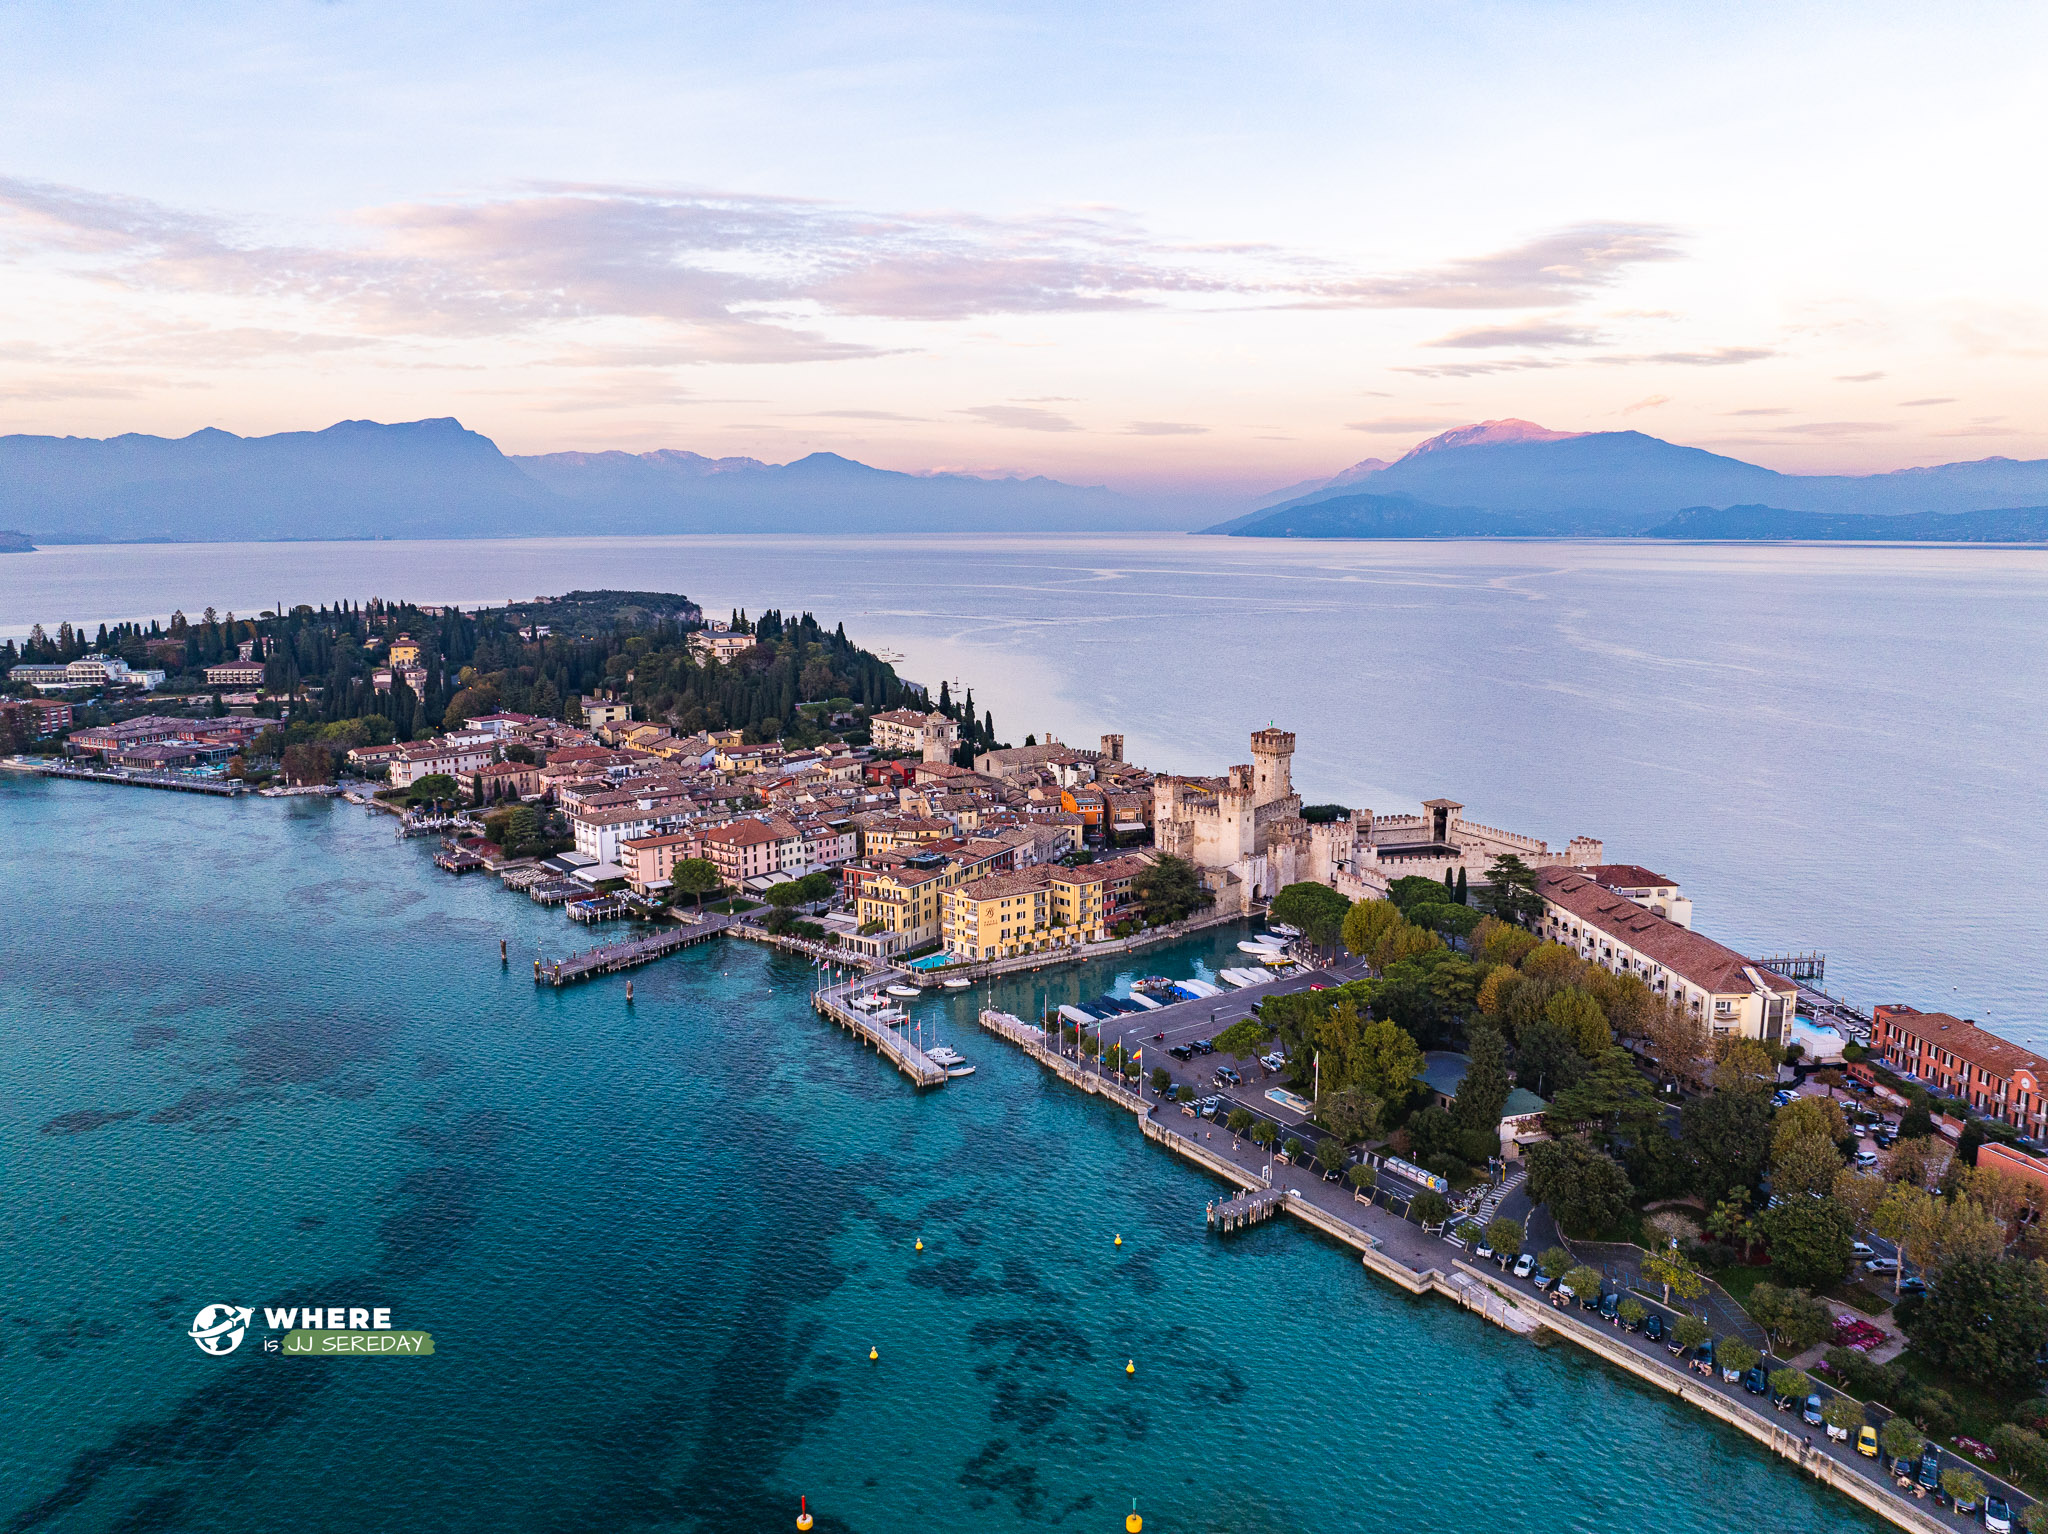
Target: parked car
<point x="1654" y="1327"/>
<point x="1524" y="1265"/>
<point x="1881" y="1265"/>
<point x="1564" y="1294"/>
<point x="1930" y="1468"/>
<point x="1866" y="1159"/>
<point x="1866" y="1441"/>
<point x="1541" y="1281"/>
<point x="1202" y="1046"/>
<point x="1997" y="1515"/>
<point x="1703" y="1357"/>
<point x="1862" y="1249"/>
<point x="1783" y="1402"/>
<point x="1912" y="1285"/>
<point x="1610" y="1305"/>
<point x="1812" y="1412"/>
<point x="1482" y="1249"/>
<point x="1637" y="1324"/>
<point x="1590" y="1301"/>
<point x="1226" y="1077"/>
<point x="1756" y="1382"/>
<point x="1181" y="1052"/>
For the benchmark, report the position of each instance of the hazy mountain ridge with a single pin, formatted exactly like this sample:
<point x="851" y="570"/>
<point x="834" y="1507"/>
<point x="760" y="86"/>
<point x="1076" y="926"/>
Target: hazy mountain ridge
<point x="1620" y="484"/>
<point x="436" y="479"/>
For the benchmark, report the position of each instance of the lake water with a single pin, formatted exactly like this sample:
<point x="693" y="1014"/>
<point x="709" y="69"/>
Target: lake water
<point x="1832" y="748"/>
<point x="260" y="1052"/>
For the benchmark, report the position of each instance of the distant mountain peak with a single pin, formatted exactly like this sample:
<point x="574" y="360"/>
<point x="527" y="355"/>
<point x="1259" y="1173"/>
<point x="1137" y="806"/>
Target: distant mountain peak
<point x="1356" y="472"/>
<point x="1490" y="434"/>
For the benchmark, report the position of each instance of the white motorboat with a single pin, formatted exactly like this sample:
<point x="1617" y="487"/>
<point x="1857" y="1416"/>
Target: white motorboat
<point x="1283" y="929"/>
<point x="955" y="1071"/>
<point x="903" y="990"/>
<point x="1145" y="1002"/>
<point x="946" y="1055"/>
<point x="1263" y="950"/>
<point x="957" y="983"/>
<point x="1201" y="988"/>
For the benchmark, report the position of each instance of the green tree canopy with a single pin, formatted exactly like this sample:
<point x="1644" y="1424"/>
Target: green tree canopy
<point x="1316" y="909"/>
<point x="1484" y="1091"/>
<point x="1809" y="1239"/>
<point x="1546" y="1060"/>
<point x="694" y="876"/>
<point x="1986" y="1319"/>
<point x="1510" y="891"/>
<point x="1585" y="1189"/>
<point x="1691" y="1332"/>
<point x="1554" y="1263"/>
<point x="1504" y="1235"/>
<point x="1243" y="1039"/>
<point x="1430" y="1207"/>
<point x="1171" y="890"/>
<point x="1727" y="1134"/>
<point x="1735" y="1353"/>
<point x="1796" y="1383"/>
<point x="1794" y="1318"/>
<point x="1367" y="922"/>
<point x="1389" y="1063"/>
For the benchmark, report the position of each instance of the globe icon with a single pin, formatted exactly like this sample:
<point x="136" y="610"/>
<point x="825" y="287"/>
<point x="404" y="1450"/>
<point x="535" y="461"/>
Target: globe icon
<point x="218" y="1329"/>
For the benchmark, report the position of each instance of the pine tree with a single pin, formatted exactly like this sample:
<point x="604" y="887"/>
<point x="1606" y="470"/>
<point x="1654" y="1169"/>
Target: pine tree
<point x="1484" y="1091"/>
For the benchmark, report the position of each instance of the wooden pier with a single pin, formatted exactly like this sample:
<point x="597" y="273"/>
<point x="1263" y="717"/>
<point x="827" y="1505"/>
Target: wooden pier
<point x="457" y="860"/>
<point x="601" y="908"/>
<point x="221" y="788"/>
<point x="1246" y="1209"/>
<point x="886" y="1041"/>
<point x="611" y="958"/>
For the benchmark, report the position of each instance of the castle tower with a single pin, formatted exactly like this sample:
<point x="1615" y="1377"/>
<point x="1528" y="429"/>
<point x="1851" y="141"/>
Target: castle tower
<point x="1272" y="757"/>
<point x="1112" y="748"/>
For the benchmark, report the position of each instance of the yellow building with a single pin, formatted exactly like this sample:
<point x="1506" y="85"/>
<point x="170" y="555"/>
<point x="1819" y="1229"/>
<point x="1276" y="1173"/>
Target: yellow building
<point x="405" y="651"/>
<point x="905" y="901"/>
<point x="1030" y="911"/>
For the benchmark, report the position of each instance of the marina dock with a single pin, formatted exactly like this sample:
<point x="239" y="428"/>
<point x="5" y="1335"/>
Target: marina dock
<point x="611" y="958"/>
<point x="833" y="1003"/>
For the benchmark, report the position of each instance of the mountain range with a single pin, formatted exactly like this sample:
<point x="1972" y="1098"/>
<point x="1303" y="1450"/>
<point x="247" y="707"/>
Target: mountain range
<point x="1516" y="479"/>
<point x="436" y="479"/>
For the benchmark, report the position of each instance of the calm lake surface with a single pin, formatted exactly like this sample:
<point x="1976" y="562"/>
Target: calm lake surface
<point x="1832" y="748"/>
<point x="261" y="1052"/>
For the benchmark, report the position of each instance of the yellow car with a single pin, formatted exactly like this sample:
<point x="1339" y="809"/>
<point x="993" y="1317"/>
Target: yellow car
<point x="1866" y="1441"/>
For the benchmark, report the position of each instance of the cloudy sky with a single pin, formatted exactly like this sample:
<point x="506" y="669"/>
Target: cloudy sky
<point x="1142" y="244"/>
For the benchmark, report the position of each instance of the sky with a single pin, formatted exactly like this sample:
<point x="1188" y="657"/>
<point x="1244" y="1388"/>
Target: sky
<point x="1146" y="245"/>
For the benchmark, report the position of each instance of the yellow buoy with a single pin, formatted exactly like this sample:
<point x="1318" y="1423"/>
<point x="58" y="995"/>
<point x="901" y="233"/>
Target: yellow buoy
<point x="1131" y="1367"/>
<point x="920" y="1243"/>
<point x="1132" y="1522"/>
<point x="1119" y="1240"/>
<point x="803" y="1516"/>
<point x="873" y="1355"/>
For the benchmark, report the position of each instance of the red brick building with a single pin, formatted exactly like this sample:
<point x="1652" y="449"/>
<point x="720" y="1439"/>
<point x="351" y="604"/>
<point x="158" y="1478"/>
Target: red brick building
<point x="1958" y="1059"/>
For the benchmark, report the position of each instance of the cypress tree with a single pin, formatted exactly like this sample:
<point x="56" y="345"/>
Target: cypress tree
<point x="1484" y="1091"/>
<point x="1450" y="889"/>
<point x="1463" y="892"/>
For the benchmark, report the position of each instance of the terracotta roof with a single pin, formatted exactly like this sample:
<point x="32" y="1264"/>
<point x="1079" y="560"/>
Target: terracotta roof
<point x="1627" y="876"/>
<point x="1965" y="1040"/>
<point x="1002" y="886"/>
<point x="1710" y="966"/>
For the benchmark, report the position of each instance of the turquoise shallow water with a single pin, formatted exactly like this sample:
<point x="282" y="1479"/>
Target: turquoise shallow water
<point x="654" y="1246"/>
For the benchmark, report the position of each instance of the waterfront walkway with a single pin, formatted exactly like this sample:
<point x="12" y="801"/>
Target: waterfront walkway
<point x="1398" y="1250"/>
<point x="612" y="958"/>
